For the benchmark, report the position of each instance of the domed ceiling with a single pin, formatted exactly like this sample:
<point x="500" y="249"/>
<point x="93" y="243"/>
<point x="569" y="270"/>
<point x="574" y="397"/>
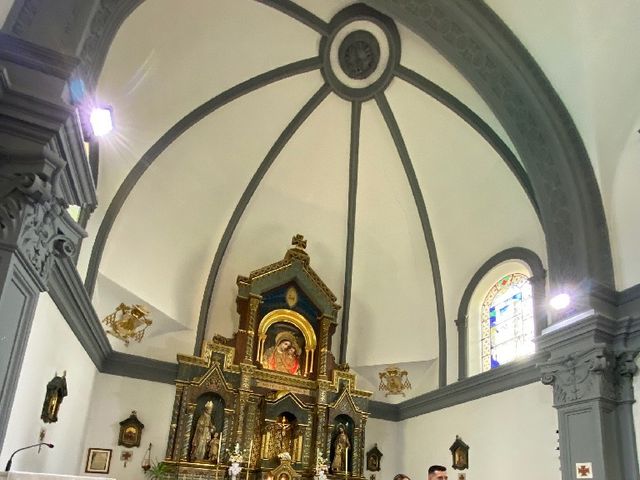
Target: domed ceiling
<point x="239" y="125"/>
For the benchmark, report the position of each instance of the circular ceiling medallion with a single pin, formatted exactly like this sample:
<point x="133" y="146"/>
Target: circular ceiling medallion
<point x="360" y="53"/>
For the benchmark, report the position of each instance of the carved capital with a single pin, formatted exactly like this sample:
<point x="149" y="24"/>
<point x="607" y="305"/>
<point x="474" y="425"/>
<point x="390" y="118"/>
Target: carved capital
<point x="596" y="374"/>
<point x="625" y="370"/>
<point x="34" y="222"/>
<point x="581" y="376"/>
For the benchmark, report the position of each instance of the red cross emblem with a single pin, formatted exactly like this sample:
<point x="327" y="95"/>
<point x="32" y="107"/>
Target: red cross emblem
<point x="584" y="471"/>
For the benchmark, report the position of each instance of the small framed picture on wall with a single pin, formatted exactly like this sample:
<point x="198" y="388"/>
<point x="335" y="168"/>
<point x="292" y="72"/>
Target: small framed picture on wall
<point x="98" y="460"/>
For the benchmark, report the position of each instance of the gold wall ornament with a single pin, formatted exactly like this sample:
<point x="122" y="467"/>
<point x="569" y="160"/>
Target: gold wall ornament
<point x="394" y="381"/>
<point x="128" y="322"/>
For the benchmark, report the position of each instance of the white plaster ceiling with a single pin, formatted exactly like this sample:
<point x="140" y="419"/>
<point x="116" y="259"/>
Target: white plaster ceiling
<point x="166" y="60"/>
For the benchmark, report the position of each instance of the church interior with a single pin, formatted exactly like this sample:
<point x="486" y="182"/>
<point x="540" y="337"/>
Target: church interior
<point x="319" y="239"/>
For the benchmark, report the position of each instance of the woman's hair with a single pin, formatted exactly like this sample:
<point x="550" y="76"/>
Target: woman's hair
<point x="401" y="476"/>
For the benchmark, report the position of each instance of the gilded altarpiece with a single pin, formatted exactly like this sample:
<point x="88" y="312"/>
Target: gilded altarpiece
<point x="274" y="388"/>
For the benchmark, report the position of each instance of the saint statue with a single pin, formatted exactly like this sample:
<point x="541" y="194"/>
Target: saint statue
<point x="284" y="356"/>
<point x="202" y="434"/>
<point x="340" y="445"/>
<point x="214" y="447"/>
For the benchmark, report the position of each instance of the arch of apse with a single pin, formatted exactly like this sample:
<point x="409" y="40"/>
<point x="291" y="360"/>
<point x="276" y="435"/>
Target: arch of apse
<point x="474" y="40"/>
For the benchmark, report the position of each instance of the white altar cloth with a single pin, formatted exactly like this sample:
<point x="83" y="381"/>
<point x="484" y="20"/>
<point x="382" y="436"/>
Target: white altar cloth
<point x="47" y="476"/>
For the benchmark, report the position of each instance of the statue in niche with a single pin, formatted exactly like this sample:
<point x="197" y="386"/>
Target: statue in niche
<point x="284" y="355"/>
<point x="341" y="445"/>
<point x="203" y="433"/>
<point x="283" y="432"/>
<point x="214" y="447"/>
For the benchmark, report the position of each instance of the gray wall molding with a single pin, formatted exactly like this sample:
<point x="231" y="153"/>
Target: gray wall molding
<point x="538" y="283"/>
<point x="384" y="411"/>
<point x="36" y="57"/>
<point x="142" y="368"/>
<point x="68" y="293"/>
<point x="505" y="377"/>
<point x="628" y="301"/>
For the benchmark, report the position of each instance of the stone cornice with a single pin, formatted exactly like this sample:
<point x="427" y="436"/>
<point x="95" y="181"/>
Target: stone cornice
<point x="512" y="375"/>
<point x="68" y="293"/>
<point x="36" y="57"/>
<point x="132" y="366"/>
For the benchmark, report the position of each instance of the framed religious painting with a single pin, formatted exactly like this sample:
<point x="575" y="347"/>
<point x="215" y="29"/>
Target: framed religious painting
<point x="283" y="349"/>
<point x="460" y="453"/>
<point x="56" y="391"/>
<point x="98" y="460"/>
<point x="373" y="459"/>
<point x="130" y="431"/>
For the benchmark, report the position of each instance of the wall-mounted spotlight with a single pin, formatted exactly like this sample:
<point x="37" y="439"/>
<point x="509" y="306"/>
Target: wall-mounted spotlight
<point x="101" y="120"/>
<point x="560" y="301"/>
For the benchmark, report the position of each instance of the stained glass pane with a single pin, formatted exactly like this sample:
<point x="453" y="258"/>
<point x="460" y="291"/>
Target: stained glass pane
<point x="507" y="321"/>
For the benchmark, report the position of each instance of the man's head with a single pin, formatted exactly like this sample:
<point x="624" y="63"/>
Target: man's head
<point x="401" y="476"/>
<point x="437" y="472"/>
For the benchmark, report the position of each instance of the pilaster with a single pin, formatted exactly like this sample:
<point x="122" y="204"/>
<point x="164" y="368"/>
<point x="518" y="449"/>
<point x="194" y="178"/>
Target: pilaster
<point x="591" y="369"/>
<point x="42" y="167"/>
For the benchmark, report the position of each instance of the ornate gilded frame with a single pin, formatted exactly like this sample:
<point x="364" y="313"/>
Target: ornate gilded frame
<point x="293" y="318"/>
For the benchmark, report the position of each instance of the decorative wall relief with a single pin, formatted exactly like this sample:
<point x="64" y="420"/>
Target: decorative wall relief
<point x="394" y="381"/>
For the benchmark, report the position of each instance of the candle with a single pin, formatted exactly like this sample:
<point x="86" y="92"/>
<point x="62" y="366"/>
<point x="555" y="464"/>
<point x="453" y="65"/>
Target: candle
<point x="219" y="447"/>
<point x="249" y="458"/>
<point x="346" y="462"/>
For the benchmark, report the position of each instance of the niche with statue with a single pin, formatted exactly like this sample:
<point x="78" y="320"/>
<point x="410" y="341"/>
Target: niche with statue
<point x="270" y="403"/>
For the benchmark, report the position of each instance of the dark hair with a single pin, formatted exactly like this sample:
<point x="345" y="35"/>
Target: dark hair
<point x="436" y="468"/>
<point x="401" y="476"/>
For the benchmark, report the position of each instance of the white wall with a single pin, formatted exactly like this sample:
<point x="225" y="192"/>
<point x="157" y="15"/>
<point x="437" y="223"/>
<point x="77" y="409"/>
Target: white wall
<point x="52" y="347"/>
<point x="510" y="435"/>
<point x="113" y="400"/>
<point x="387" y="436"/>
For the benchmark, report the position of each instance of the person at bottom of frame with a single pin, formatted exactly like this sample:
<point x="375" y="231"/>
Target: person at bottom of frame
<point x="437" y="472"/>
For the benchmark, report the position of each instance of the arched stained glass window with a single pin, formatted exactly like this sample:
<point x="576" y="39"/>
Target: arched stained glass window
<point x="507" y="321"/>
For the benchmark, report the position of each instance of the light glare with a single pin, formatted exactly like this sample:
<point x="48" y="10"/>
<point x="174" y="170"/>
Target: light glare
<point x="560" y="301"/>
<point x="101" y="122"/>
